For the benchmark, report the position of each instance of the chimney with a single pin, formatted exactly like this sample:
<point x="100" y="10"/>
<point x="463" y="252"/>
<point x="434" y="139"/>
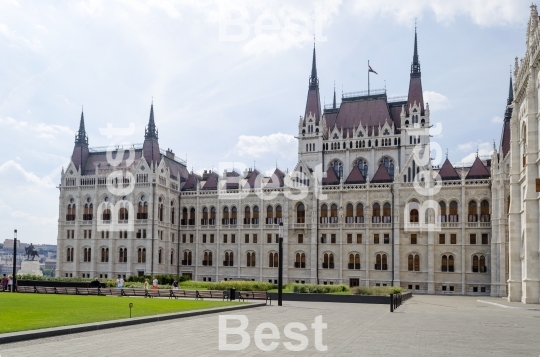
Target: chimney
<point x="170" y="154"/>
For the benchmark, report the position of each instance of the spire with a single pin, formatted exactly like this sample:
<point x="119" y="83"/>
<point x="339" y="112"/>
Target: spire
<point x="510" y="93"/>
<point x="81" y="138"/>
<point x="415" y="67"/>
<point x="313" y="80"/>
<point x="151" y="130"/>
<point x="334" y="103"/>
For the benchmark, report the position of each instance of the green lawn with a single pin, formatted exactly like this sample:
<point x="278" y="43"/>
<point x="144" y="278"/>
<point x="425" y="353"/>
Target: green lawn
<point x="22" y="312"/>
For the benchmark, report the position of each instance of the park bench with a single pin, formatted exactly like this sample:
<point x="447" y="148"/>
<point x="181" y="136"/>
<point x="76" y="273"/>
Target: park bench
<point x="213" y="294"/>
<point x="255" y="295"/>
<point x="71" y="291"/>
<point x="26" y="289"/>
<point x="184" y="294"/>
<point x="134" y="292"/>
<point x="112" y="291"/>
<point x="158" y="293"/>
<point x="40" y="290"/>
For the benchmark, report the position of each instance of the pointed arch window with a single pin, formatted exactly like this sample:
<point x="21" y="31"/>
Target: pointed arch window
<point x="413" y="262"/>
<point x="413" y="216"/>
<point x="225" y="219"/>
<point x="87" y="254"/>
<point x="173" y="211"/>
<point x="354" y="261"/>
<point x="123" y="213"/>
<point x="184" y="219"/>
<point x="273" y="260"/>
<point x="269" y="215"/>
<point x="473" y="212"/>
<point x="247" y="215"/>
<point x="106" y="215"/>
<point x="279" y="213"/>
<point x="160" y="210"/>
<point x="300" y="260"/>
<point x="376" y="213"/>
<point x="300" y="213"/>
<point x="447" y="263"/>
<point x="69" y="254"/>
<point x="453" y="216"/>
<point x="104" y="255"/>
<point x="70" y="216"/>
<point x="191" y="221"/>
<point x="204" y="219"/>
<point x="88" y="210"/>
<point x="359" y="213"/>
<point x="328" y="261"/>
<point x="442" y="211"/>
<point x="172" y="257"/>
<point x="484" y="211"/>
<point x="381" y="262"/>
<point x="363" y="167"/>
<point x="333" y="213"/>
<point x="250" y="259"/>
<point x="338" y="168"/>
<point x="229" y="259"/>
<point x="141" y="255"/>
<point x="186" y="260"/>
<point x="212" y="220"/>
<point x="479" y="264"/>
<point x="122" y="255"/>
<point x="324" y="213"/>
<point x="142" y="208"/>
<point x="387" y="213"/>
<point x="207" y="258"/>
<point x="255" y="219"/>
<point x="349" y="215"/>
<point x="234" y="216"/>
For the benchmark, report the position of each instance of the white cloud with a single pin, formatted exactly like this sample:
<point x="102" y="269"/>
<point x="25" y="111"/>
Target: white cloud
<point x="14" y="171"/>
<point x="484" y="149"/>
<point x="437" y="101"/>
<point x="284" y="145"/>
<point x="496" y="120"/>
<point x="15" y="38"/>
<point x="481" y="12"/>
<point x="46" y="131"/>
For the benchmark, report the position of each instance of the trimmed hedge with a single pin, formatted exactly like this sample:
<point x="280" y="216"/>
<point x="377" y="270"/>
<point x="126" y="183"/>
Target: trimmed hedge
<point x="377" y="290"/>
<point x="166" y="279"/>
<point x="318" y="289"/>
<point x="226" y="285"/>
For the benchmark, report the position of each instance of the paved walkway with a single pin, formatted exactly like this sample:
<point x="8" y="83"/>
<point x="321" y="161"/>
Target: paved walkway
<point x="424" y="326"/>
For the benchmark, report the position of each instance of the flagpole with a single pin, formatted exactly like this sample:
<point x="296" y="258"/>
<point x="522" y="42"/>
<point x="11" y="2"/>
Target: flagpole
<point x="368" y="77"/>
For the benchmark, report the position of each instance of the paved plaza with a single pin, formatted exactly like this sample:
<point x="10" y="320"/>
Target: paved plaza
<point x="423" y="326"/>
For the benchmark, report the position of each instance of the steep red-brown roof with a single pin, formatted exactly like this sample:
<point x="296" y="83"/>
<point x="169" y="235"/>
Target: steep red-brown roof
<point x="505" y="139"/>
<point x="276" y="180"/>
<point x="191" y="183"/>
<point x="381" y="175"/>
<point x="355" y="177"/>
<point x="448" y="172"/>
<point x="211" y="182"/>
<point x="233" y="180"/>
<point x="331" y="177"/>
<point x="252" y="181"/>
<point x="478" y="170"/>
<point x="415" y="93"/>
<point x="313" y="104"/>
<point x="370" y="113"/>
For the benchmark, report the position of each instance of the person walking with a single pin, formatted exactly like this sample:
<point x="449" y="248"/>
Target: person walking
<point x="175" y="285"/>
<point x="155" y="284"/>
<point x="145" y="284"/>
<point x="10" y="283"/>
<point x="120" y="282"/>
<point x="4" y="282"/>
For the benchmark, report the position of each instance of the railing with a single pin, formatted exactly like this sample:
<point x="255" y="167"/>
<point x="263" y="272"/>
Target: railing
<point x="396" y="300"/>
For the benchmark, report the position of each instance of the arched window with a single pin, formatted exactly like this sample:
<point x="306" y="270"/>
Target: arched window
<point x="376" y="213"/>
<point x="142" y="208"/>
<point x="88" y="211"/>
<point x="122" y="255"/>
<point x="416" y="262"/>
<point x="300" y="260"/>
<point x="359" y="213"/>
<point x="479" y="264"/>
<point x="338" y="168"/>
<point x="453" y="216"/>
<point x="247" y="215"/>
<point x="473" y="212"/>
<point x="273" y="260"/>
<point x="212" y="220"/>
<point x="413" y="216"/>
<point x="484" y="211"/>
<point x="250" y="259"/>
<point x="191" y="221"/>
<point x="106" y="215"/>
<point x="269" y="215"/>
<point x="387" y="215"/>
<point x="204" y="219"/>
<point x="328" y="261"/>
<point x="333" y="213"/>
<point x="70" y="216"/>
<point x="104" y="255"/>
<point x="141" y="255"/>
<point x="123" y="214"/>
<point x="278" y="219"/>
<point x="442" y="208"/>
<point x="160" y="210"/>
<point x="173" y="210"/>
<point x="69" y="254"/>
<point x="354" y="261"/>
<point x="363" y="166"/>
<point x="447" y="263"/>
<point x="172" y="257"/>
<point x="184" y="216"/>
<point x="300" y="213"/>
<point x="225" y="219"/>
<point x="255" y="219"/>
<point x="381" y="262"/>
<point x="324" y="213"/>
<point x="349" y="215"/>
<point x="87" y="254"/>
<point x="410" y="263"/>
<point x="187" y="257"/>
<point x="207" y="258"/>
<point x="160" y="256"/>
<point x="229" y="259"/>
<point x="234" y="214"/>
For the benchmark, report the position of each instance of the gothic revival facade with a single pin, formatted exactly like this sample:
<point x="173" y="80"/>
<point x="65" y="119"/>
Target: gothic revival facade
<point x="364" y="205"/>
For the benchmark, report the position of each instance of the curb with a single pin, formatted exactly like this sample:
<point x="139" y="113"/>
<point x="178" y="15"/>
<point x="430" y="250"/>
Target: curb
<point x="95" y="326"/>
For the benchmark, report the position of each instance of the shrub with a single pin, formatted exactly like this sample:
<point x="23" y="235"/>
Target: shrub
<point x="318" y="289"/>
<point x="226" y="285"/>
<point x="377" y="290"/>
<point x="166" y="279"/>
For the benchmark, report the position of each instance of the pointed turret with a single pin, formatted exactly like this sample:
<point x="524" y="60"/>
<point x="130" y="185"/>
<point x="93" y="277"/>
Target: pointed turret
<point x="415" y="84"/>
<point x="80" y="151"/>
<point x="505" y="135"/>
<point x="151" y="146"/>
<point x="313" y="103"/>
<point x="334" y="103"/>
<point x="478" y="170"/>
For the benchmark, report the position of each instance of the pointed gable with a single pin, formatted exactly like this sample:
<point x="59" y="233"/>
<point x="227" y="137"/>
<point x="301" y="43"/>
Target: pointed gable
<point x="252" y="181"/>
<point x="191" y="182"/>
<point x="448" y="172"/>
<point x="478" y="170"/>
<point x="355" y="177"/>
<point x="277" y="179"/>
<point x="382" y="175"/>
<point x="313" y="102"/>
<point x="211" y="182"/>
<point x="151" y="151"/>
<point x="331" y="177"/>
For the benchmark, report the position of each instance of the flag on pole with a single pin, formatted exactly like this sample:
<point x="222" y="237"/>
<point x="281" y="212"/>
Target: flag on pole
<point x="371" y="69"/>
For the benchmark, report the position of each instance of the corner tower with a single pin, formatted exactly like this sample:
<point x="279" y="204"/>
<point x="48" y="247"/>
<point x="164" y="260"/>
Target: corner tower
<point x="80" y="151"/>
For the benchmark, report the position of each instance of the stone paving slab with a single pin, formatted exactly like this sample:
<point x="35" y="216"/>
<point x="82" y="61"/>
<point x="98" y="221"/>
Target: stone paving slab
<point x="423" y="326"/>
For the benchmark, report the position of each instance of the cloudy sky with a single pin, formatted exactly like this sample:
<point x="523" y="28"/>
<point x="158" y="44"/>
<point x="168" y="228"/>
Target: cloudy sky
<point x="229" y="79"/>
